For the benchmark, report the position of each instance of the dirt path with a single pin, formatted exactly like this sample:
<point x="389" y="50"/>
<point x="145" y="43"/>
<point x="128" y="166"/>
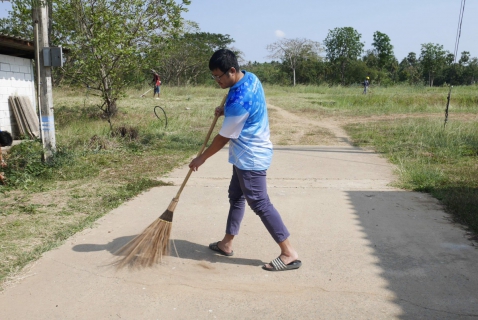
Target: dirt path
<point x="290" y="129"/>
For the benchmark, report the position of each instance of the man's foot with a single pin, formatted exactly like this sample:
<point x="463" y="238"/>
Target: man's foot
<point x="215" y="247"/>
<point x="278" y="265"/>
<point x="285" y="259"/>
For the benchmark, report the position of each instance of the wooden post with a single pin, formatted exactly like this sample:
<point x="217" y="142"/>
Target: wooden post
<point x="37" y="78"/>
<point x="47" y="120"/>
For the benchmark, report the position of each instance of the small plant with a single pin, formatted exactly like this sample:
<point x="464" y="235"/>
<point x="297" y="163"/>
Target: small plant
<point x="126" y="132"/>
<point x="29" y="208"/>
<point x="25" y="164"/>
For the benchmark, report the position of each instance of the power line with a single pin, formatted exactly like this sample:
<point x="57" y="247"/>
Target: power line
<point x="458" y="30"/>
<point x="457" y="42"/>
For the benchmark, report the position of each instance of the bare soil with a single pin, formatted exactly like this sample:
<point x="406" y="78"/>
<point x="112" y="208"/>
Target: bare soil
<point x="291" y="129"/>
<point x="312" y="128"/>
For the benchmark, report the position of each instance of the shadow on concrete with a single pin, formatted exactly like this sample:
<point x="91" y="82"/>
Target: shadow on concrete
<point x="427" y="264"/>
<point x="112" y="246"/>
<point x="182" y="249"/>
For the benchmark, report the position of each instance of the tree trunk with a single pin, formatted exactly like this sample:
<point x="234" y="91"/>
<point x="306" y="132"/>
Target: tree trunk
<point x="342" y="73"/>
<point x="111" y="107"/>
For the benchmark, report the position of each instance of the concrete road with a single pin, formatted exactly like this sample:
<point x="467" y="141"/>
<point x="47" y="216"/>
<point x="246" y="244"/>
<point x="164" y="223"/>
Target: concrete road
<point x="369" y="251"/>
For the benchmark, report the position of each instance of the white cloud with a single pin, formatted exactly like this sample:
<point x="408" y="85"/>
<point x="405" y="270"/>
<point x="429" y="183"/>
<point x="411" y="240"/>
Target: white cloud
<point x="280" y="34"/>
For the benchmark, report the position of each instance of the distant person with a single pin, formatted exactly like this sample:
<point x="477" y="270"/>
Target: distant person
<point x="157" y="84"/>
<point x="5" y="141"/>
<point x="366" y="84"/>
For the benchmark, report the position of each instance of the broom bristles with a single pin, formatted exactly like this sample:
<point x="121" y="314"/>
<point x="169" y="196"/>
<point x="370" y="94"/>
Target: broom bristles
<point x="149" y="246"/>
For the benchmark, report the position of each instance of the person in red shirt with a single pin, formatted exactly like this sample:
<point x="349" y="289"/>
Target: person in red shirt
<point x="157" y="84"/>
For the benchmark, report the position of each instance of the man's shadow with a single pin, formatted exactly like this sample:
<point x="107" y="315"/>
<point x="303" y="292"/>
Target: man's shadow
<point x="182" y="249"/>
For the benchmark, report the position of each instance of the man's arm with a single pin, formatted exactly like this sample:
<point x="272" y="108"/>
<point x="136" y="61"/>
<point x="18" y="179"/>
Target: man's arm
<point x="217" y="144"/>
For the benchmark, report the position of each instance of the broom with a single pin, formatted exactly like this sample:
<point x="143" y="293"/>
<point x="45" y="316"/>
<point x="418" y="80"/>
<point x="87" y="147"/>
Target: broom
<point x="145" y="93"/>
<point x="148" y="247"/>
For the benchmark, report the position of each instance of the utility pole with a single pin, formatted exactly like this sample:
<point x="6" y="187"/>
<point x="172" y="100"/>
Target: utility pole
<point x="47" y="120"/>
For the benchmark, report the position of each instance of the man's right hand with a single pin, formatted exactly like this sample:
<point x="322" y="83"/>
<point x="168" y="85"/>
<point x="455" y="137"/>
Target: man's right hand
<point x="196" y="163"/>
<point x="219" y="111"/>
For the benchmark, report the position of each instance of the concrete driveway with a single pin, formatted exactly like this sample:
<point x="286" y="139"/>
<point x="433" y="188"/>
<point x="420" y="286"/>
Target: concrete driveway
<point x="369" y="251"/>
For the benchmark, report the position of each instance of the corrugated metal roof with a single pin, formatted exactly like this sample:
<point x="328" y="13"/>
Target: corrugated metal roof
<point x="14" y="37"/>
<point x="16" y="46"/>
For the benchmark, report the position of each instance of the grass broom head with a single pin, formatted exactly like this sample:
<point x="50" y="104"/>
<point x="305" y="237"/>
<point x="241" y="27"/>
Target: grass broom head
<point x="151" y="245"/>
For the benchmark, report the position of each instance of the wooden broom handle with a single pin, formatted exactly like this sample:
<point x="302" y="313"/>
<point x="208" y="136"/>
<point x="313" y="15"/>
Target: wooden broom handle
<point x="202" y="149"/>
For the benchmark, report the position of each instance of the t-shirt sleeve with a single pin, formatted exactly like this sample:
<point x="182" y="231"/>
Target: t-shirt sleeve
<point x="234" y="120"/>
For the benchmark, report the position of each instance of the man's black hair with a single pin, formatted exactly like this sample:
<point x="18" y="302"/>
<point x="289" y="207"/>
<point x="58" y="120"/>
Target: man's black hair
<point x="223" y="59"/>
<point x="5" y="139"/>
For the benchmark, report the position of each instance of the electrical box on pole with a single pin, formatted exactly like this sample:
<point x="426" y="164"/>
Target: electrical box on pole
<point x="53" y="57"/>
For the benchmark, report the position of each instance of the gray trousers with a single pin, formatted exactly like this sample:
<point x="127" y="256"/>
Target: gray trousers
<point x="251" y="186"/>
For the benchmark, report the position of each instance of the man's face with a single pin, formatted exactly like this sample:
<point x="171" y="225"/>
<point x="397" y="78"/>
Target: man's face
<point x="224" y="79"/>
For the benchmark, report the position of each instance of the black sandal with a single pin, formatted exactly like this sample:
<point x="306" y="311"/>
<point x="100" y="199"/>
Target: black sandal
<point x="278" y="265"/>
<point x="215" y="247"/>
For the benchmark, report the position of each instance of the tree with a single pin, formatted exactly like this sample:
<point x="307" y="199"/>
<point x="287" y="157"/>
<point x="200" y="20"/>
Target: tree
<point x="269" y="72"/>
<point x="412" y="59"/>
<point x="409" y="69"/>
<point x="293" y="51"/>
<point x="311" y="72"/>
<point x="383" y="50"/>
<point x="357" y="70"/>
<point x="471" y="72"/>
<point x="184" y="59"/>
<point x="19" y="23"/>
<point x="343" y="46"/>
<point x="106" y="39"/>
<point x="465" y="58"/>
<point x="433" y="59"/>
<point x="371" y="59"/>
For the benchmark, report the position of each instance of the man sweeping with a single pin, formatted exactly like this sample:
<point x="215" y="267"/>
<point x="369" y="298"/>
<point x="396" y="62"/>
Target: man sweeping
<point x="246" y="128"/>
<point x="157" y="84"/>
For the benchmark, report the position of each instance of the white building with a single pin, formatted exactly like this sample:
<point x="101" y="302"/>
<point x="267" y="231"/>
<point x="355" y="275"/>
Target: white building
<point x="16" y="78"/>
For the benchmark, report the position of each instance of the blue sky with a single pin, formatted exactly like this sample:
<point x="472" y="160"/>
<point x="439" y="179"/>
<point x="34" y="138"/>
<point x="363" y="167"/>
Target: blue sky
<point x="409" y="23"/>
<point x="254" y="24"/>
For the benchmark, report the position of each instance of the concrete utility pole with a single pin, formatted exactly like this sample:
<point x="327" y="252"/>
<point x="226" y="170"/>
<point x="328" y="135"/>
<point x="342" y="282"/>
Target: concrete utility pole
<point x="47" y="121"/>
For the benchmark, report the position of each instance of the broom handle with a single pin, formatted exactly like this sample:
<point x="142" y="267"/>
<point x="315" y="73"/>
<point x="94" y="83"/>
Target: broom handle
<point x="202" y="149"/>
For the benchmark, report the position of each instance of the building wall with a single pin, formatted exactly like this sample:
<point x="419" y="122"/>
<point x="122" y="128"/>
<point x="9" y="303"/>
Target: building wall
<point x="16" y="79"/>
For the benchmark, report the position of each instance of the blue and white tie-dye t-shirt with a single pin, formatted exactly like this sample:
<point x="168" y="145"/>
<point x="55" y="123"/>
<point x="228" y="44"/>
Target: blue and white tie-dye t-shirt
<point x="247" y="125"/>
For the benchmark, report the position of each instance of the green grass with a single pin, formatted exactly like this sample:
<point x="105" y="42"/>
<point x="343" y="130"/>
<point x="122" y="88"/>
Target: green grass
<point x="430" y="158"/>
<point x="346" y="101"/>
